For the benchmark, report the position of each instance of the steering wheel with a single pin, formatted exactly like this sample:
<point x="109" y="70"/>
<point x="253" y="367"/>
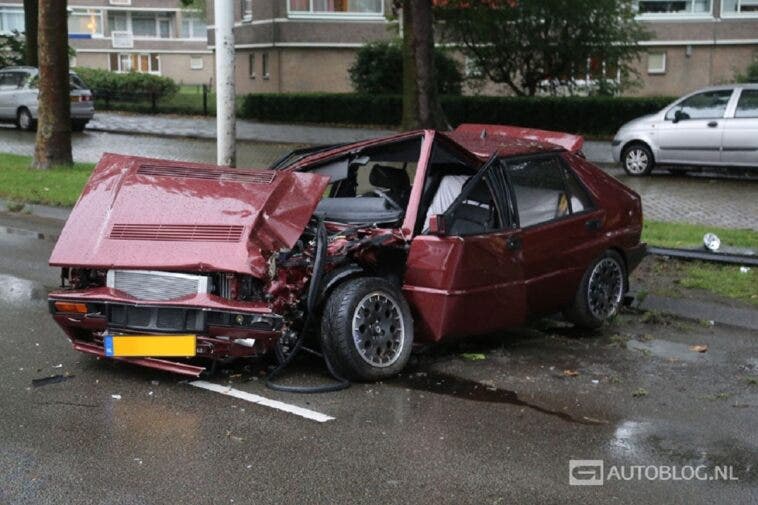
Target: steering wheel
<point x="387" y="198"/>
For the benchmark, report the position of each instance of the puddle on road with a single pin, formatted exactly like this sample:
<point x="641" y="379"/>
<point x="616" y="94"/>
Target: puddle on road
<point x="457" y="387"/>
<point x="16" y="290"/>
<point x="14" y="234"/>
<point x="672" y="351"/>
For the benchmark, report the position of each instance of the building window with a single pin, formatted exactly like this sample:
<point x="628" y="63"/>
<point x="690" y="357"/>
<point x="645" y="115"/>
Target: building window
<point x="11" y="19"/>
<point x="118" y="22"/>
<point x="145" y="63"/>
<point x="251" y="65"/>
<point x="193" y="27"/>
<point x="264" y="66"/>
<point x="151" y="25"/>
<point x="673" y="7"/>
<point x="85" y="22"/>
<point x="656" y="63"/>
<point x="246" y="9"/>
<point x="336" y="7"/>
<point x="739" y="7"/>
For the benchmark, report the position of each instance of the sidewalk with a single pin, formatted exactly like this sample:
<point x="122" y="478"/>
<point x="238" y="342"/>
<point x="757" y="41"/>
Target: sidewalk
<point x="205" y="128"/>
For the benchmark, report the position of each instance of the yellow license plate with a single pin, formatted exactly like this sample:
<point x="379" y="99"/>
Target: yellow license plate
<point x="152" y="346"/>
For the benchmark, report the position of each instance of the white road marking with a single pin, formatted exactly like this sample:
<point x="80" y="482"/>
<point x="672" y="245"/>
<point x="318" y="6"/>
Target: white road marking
<point x="260" y="400"/>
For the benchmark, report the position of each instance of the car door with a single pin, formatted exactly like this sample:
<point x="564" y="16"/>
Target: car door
<point x="740" y="144"/>
<point x="7" y="88"/>
<point x="468" y="279"/>
<point x="560" y="229"/>
<point x="692" y="130"/>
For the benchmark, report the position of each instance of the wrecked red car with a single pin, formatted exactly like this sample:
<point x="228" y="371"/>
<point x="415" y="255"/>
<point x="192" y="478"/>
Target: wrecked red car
<point x="377" y="245"/>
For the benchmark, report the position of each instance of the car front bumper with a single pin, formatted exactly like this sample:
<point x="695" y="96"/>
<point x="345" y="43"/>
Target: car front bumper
<point x="223" y="328"/>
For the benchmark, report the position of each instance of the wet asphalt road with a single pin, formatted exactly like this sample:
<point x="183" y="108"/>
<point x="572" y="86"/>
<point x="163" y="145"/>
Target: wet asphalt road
<point x="451" y="430"/>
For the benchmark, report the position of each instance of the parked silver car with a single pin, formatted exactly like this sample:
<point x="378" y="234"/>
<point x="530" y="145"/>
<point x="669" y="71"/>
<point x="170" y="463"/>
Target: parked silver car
<point x="716" y="127"/>
<point x="19" y="96"/>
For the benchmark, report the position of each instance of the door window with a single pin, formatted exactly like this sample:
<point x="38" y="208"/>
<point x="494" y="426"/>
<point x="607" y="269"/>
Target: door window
<point x="544" y="190"/>
<point x="748" y="104"/>
<point x="475" y="211"/>
<point x="707" y="105"/>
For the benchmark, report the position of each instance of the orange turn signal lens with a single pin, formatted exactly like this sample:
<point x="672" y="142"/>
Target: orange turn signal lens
<point x="76" y="308"/>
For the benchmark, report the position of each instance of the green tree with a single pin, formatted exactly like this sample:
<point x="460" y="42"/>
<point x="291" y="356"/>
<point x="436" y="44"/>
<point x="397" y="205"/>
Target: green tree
<point x="53" y="143"/>
<point x="750" y="75"/>
<point x="11" y="49"/>
<point x="378" y="66"/>
<point x="546" y="44"/>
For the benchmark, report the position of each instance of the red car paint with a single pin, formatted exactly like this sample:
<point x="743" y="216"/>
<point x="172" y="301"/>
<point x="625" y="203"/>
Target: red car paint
<point x="145" y="214"/>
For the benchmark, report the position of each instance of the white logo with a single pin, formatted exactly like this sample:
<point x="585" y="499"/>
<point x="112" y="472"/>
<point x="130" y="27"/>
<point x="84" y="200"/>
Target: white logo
<point x="586" y="472"/>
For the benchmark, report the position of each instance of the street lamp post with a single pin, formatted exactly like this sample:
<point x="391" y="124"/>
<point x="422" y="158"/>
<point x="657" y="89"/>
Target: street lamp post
<point x="225" y="96"/>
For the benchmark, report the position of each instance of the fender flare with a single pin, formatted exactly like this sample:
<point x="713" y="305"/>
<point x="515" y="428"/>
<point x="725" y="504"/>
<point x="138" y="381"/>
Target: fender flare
<point x="336" y="276"/>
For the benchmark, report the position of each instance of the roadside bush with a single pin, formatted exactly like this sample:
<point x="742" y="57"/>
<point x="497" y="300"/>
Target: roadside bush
<point x="750" y="75"/>
<point x="378" y="69"/>
<point x="597" y="115"/>
<point x="132" y="84"/>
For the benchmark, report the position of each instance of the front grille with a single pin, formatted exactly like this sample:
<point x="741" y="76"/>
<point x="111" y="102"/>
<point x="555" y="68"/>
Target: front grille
<point x="159" y="319"/>
<point x="153" y="285"/>
<point x="177" y="232"/>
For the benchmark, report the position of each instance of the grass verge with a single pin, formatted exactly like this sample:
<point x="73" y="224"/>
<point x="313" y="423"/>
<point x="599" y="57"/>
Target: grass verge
<point x="59" y="186"/>
<point x="724" y="280"/>
<point x="663" y="234"/>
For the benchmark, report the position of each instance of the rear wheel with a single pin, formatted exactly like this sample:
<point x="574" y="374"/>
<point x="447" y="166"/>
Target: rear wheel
<point x="638" y="160"/>
<point x="599" y="296"/>
<point x="367" y="329"/>
<point x="78" y="125"/>
<point x="24" y="119"/>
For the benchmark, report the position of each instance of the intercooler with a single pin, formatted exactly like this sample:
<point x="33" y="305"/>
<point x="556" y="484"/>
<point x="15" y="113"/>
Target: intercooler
<point x="156" y="286"/>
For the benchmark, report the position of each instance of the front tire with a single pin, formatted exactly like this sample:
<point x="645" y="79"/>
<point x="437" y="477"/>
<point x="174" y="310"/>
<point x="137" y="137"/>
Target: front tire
<point x="637" y="160"/>
<point x="367" y="329"/>
<point x="600" y="293"/>
<point x="24" y="120"/>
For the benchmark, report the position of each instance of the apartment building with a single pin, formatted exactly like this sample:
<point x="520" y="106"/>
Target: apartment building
<point x="695" y="43"/>
<point x="153" y="36"/>
<point x="291" y="46"/>
<point x="308" y="45"/>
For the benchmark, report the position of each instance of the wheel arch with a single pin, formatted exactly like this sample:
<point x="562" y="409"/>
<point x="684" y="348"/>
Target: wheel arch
<point x="633" y="142"/>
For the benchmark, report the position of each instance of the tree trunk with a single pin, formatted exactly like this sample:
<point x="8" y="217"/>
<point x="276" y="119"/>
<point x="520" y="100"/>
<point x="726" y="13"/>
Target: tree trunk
<point x="30" y="32"/>
<point x="421" y="105"/>
<point x="53" y="146"/>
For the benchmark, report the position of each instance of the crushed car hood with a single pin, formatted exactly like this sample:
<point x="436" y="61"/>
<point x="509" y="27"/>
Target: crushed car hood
<point x="167" y="215"/>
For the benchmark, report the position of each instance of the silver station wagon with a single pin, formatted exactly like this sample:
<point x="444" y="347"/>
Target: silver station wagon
<point x="19" y="95"/>
<point x="712" y="127"/>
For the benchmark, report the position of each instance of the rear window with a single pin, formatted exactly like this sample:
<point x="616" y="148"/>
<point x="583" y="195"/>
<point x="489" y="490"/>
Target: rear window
<point x="748" y="104"/>
<point x="76" y="82"/>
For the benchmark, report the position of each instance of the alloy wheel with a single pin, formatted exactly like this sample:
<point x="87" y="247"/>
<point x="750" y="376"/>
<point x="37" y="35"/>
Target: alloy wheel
<point x="636" y="161"/>
<point x="605" y="288"/>
<point x="378" y="329"/>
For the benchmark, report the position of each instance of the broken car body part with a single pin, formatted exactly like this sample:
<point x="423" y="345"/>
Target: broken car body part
<point x="427" y="236"/>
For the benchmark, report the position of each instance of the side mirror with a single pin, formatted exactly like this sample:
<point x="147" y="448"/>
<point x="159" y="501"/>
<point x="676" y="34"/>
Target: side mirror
<point x="678" y="116"/>
<point x="437" y="224"/>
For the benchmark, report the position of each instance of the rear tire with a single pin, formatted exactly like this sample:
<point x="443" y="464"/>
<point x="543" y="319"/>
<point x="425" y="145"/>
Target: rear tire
<point x="367" y="329"/>
<point x="637" y="160"/>
<point x="24" y="120"/>
<point x="600" y="293"/>
<point x="78" y="126"/>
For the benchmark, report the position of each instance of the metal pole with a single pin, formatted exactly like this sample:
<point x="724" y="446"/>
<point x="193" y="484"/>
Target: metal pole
<point x="225" y="107"/>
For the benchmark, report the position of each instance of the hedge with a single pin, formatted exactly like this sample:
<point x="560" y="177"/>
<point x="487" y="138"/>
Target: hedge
<point x="127" y="85"/>
<point x="587" y="115"/>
